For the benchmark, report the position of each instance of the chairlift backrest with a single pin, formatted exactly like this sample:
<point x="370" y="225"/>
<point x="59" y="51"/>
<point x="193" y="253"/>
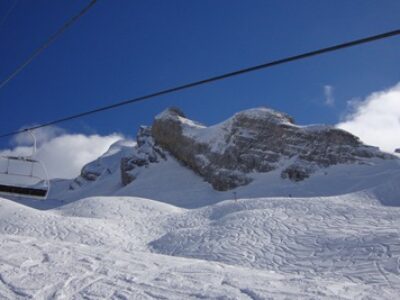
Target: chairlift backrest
<point x="24" y="176"/>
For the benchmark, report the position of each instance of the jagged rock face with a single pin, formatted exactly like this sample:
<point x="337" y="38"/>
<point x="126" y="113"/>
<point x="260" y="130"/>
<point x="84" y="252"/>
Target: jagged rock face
<point x="144" y="154"/>
<point x="256" y="140"/>
<point x="126" y="157"/>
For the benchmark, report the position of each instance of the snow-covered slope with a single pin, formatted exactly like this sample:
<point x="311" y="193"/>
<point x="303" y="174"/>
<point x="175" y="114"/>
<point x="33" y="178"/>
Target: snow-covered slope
<point x="344" y="247"/>
<point x="139" y="224"/>
<point x="41" y="270"/>
<point x="171" y="182"/>
<point x="339" y="163"/>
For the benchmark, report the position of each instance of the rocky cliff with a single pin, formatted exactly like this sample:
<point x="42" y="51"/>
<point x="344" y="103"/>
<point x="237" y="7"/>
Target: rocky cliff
<point x="146" y="153"/>
<point x="227" y="155"/>
<point x="256" y="140"/>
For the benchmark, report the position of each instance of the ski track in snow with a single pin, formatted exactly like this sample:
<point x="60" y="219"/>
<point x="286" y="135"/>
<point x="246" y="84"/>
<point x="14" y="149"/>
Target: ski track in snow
<point x="304" y="236"/>
<point x="344" y="247"/>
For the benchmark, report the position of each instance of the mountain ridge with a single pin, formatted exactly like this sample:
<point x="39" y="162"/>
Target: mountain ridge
<point x="256" y="140"/>
<point x="146" y="169"/>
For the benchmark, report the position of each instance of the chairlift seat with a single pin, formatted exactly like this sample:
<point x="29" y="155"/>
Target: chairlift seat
<point x="30" y="180"/>
<point x="22" y="158"/>
<point x="33" y="182"/>
<point x="23" y="191"/>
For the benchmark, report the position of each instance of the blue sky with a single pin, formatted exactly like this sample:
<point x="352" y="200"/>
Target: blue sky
<point x="124" y="49"/>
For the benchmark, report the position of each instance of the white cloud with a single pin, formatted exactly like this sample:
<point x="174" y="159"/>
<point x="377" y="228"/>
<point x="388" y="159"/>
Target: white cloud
<point x="328" y="93"/>
<point x="376" y="120"/>
<point x="63" y="154"/>
<point x="42" y="135"/>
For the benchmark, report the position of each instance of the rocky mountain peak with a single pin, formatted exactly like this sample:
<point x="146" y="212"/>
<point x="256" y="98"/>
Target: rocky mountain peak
<point x="229" y="154"/>
<point x="263" y="114"/>
<point x="256" y="140"/>
<point x="171" y="112"/>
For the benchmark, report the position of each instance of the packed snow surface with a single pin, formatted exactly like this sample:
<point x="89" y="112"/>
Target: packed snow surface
<point x="339" y="247"/>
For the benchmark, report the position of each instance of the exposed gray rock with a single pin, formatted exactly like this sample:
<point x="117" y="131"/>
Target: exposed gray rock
<point x="89" y="175"/>
<point x="144" y="154"/>
<point x="255" y="140"/>
<point x="296" y="172"/>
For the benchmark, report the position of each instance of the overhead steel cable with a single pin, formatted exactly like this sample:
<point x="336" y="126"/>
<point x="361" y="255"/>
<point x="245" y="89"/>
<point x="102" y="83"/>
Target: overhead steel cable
<point x="8" y="13"/>
<point x="215" y="78"/>
<point x="52" y="38"/>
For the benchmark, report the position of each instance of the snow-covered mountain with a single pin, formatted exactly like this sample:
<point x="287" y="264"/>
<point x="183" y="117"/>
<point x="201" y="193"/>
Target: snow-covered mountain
<point x="256" y="140"/>
<point x="256" y="153"/>
<point x="184" y="213"/>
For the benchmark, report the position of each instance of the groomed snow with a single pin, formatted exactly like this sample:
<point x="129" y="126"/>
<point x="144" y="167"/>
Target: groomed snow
<point x="340" y="247"/>
<point x="34" y="268"/>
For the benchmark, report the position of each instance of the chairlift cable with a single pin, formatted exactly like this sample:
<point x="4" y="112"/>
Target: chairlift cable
<point x="52" y="38"/>
<point x="8" y="13"/>
<point x="266" y="65"/>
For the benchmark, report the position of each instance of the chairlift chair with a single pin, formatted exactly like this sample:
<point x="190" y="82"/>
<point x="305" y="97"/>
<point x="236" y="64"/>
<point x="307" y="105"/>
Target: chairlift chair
<point x="24" y="176"/>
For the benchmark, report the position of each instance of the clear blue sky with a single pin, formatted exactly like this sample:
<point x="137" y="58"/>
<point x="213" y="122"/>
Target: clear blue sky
<point x="123" y="49"/>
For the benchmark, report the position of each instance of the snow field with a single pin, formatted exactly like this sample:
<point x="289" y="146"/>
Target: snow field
<point x="40" y="270"/>
<point x="342" y="247"/>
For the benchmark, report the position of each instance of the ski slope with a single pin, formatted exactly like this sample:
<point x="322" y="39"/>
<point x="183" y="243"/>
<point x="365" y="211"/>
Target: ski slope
<point x="339" y="247"/>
